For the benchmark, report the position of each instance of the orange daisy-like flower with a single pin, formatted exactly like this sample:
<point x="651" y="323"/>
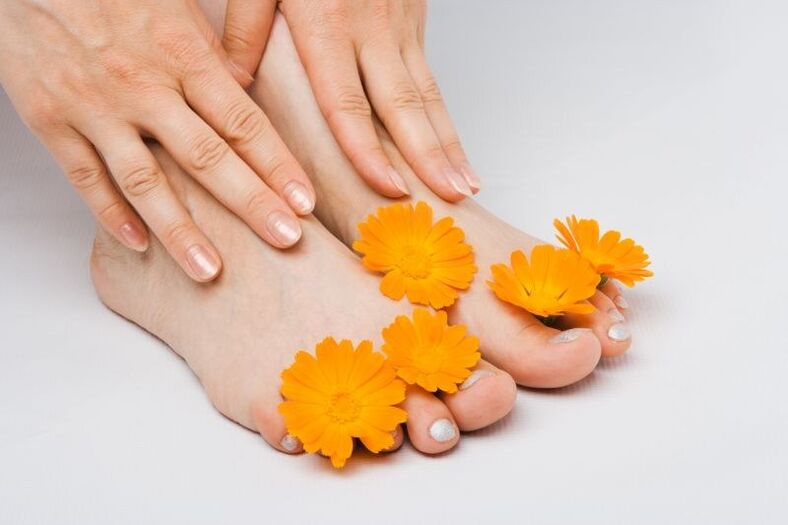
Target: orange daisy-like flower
<point x="428" y="352"/>
<point x="427" y="261"/>
<point x="610" y="256"/>
<point x="341" y="394"/>
<point x="554" y="282"/>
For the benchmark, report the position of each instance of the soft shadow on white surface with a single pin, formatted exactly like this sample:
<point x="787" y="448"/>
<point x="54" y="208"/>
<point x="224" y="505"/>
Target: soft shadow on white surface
<point x="666" y="120"/>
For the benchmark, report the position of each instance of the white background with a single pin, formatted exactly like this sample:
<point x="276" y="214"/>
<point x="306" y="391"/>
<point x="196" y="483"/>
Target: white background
<point x="667" y="120"/>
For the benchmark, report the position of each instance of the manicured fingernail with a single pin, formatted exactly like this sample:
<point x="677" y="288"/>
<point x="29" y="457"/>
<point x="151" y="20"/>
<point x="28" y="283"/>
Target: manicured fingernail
<point x="443" y="430"/>
<point x="397" y="180"/>
<point x="299" y="198"/>
<point x="621" y="302"/>
<point x="290" y="443"/>
<point x="457" y="182"/>
<point x="202" y="262"/>
<point x="619" y="332"/>
<point x="616" y="315"/>
<point x="284" y="228"/>
<point x="241" y="72"/>
<point x="474" y="377"/>
<point x="471" y="178"/>
<point x="567" y="336"/>
<point x="133" y="237"/>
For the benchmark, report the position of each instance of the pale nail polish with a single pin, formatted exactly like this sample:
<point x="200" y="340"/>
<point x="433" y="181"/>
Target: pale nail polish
<point x="133" y="237"/>
<point x="397" y="180"/>
<point x="474" y="377"/>
<point x="241" y="72"/>
<point x="443" y="430"/>
<point x="616" y="315"/>
<point x="202" y="262"/>
<point x="457" y="182"/>
<point x="284" y="228"/>
<point x="290" y="443"/>
<point x="621" y="302"/>
<point x="619" y="332"/>
<point x="471" y="178"/>
<point x="567" y="336"/>
<point x="298" y="197"/>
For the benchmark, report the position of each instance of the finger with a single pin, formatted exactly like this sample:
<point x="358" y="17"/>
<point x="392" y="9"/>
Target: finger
<point x="210" y="160"/>
<point x="88" y="174"/>
<point x="400" y="108"/>
<point x="330" y="62"/>
<point x="221" y="102"/>
<point x="246" y="27"/>
<point x="145" y="186"/>
<point x="438" y="114"/>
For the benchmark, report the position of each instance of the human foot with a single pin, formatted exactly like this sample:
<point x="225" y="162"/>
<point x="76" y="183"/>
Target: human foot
<point x="534" y="354"/>
<point x="238" y="332"/>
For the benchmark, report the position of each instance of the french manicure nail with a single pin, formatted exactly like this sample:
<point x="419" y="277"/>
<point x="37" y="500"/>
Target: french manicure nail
<point x="567" y="336"/>
<point x="616" y="315"/>
<point x="457" y="182"/>
<point x="284" y="228"/>
<point x="299" y="198"/>
<point x="474" y="377"/>
<point x="133" y="237"/>
<point x="397" y="180"/>
<point x="290" y="443"/>
<point x="202" y="262"/>
<point x="619" y="332"/>
<point x="471" y="178"/>
<point x="621" y="302"/>
<point x="443" y="430"/>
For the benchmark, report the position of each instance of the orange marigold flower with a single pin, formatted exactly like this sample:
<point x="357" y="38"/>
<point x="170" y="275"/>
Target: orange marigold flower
<point x="341" y="394"/>
<point x="427" y="261"/>
<point x="428" y="352"/>
<point x="555" y="282"/>
<point x="610" y="256"/>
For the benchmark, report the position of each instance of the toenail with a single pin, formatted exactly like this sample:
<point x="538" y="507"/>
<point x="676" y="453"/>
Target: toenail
<point x="290" y="443"/>
<point x="474" y="377"/>
<point x="284" y="228"/>
<point x="616" y="315"/>
<point x="202" y="262"/>
<point x="298" y="197"/>
<point x="443" y="430"/>
<point x="621" y="302"/>
<point x="619" y="332"/>
<point x="567" y="336"/>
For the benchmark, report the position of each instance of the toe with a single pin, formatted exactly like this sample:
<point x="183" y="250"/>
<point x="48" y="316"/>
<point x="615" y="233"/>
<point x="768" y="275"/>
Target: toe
<point x="270" y="424"/>
<point x="431" y="427"/>
<point x="399" y="438"/>
<point x="485" y="397"/>
<point x="613" y="291"/>
<point x="608" y="324"/>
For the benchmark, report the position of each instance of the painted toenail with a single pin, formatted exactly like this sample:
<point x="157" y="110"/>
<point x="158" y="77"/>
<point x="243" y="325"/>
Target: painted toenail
<point x="443" y="430"/>
<point x="290" y="443"/>
<point x="457" y="182"/>
<point x="619" y="332"/>
<point x="202" y="262"/>
<point x="616" y="315"/>
<point x="621" y="302"/>
<point x="474" y="377"/>
<point x="298" y="197"/>
<point x="284" y="228"/>
<point x="567" y="336"/>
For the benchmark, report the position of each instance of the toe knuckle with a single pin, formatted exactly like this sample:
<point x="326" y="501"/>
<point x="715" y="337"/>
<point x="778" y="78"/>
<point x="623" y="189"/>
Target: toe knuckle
<point x="206" y="152"/>
<point x="141" y="181"/>
<point x="244" y="124"/>
<point x="404" y="97"/>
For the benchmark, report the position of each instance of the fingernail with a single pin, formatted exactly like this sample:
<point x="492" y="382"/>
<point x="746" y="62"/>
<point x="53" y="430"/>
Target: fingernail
<point x="133" y="237"/>
<point x="567" y="336"/>
<point x="397" y="180"/>
<point x="474" y="377"/>
<point x="290" y="443"/>
<point x="284" y="228"/>
<point x="443" y="430"/>
<point x="202" y="262"/>
<point x="616" y="315"/>
<point x="299" y="198"/>
<point x="621" y="302"/>
<point x="241" y="72"/>
<point x="471" y="178"/>
<point x="457" y="182"/>
<point x="619" y="332"/>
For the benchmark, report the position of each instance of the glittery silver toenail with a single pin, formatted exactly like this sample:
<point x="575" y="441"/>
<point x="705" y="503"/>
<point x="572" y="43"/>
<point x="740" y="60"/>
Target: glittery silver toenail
<point x="475" y="376"/>
<point x="616" y="315"/>
<point x="619" y="332"/>
<point x="443" y="430"/>
<point x="567" y="336"/>
<point x="621" y="302"/>
<point x="290" y="443"/>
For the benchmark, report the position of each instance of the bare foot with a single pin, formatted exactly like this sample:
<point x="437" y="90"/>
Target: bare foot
<point x="534" y="354"/>
<point x="238" y="332"/>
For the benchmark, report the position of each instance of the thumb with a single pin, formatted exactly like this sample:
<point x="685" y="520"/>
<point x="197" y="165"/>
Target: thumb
<point x="246" y="28"/>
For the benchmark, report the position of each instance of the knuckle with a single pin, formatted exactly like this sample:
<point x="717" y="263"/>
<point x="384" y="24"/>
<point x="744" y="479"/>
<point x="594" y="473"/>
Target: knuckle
<point x="141" y="181"/>
<point x="85" y="177"/>
<point x="430" y="92"/>
<point x="237" y="37"/>
<point x="352" y="101"/>
<point x="110" y="213"/>
<point x="256" y="203"/>
<point x="186" y="52"/>
<point x="404" y="97"/>
<point x="206" y="152"/>
<point x="244" y="124"/>
<point x="453" y="145"/>
<point x="178" y="234"/>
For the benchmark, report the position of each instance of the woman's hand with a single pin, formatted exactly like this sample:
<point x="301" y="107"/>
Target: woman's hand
<point x="93" y="79"/>
<point x="362" y="51"/>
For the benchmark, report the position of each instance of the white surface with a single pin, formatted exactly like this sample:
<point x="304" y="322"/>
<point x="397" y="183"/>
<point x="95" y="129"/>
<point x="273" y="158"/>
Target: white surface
<point x="667" y="120"/>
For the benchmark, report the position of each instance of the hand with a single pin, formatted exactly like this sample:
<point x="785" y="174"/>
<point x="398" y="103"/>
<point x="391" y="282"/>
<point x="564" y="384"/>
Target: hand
<point x="342" y="42"/>
<point x="94" y="79"/>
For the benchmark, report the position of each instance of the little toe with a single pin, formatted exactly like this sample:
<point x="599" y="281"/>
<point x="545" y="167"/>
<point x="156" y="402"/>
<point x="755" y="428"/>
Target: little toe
<point x="431" y="426"/>
<point x="607" y="322"/>
<point x="270" y="424"/>
<point x="613" y="290"/>
<point x="399" y="438"/>
<point x="486" y="396"/>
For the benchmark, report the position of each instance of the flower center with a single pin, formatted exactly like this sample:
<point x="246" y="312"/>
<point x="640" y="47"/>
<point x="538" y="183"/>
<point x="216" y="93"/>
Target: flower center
<point x="430" y="360"/>
<point x="343" y="408"/>
<point x="415" y="263"/>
